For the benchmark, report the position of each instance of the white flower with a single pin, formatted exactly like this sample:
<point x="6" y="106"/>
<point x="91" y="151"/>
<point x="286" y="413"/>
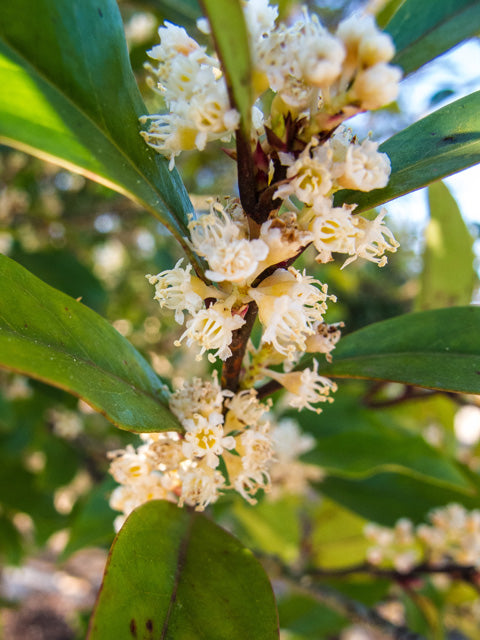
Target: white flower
<point x="204" y="438"/>
<point x="289" y="441"/>
<point x="200" y="487"/>
<point x="325" y="339"/>
<point x="306" y="387"/>
<point x="260" y="17"/>
<point x="212" y="328"/>
<point x="334" y="230"/>
<point x="375" y="238"/>
<point x="283" y="238"/>
<point x="197" y="397"/>
<point x="128" y="465"/>
<point x="377" y="86"/>
<point x="180" y="290"/>
<point x="223" y="242"/>
<point x="245" y="410"/>
<point x="363" y="167"/>
<point x="289" y="304"/>
<point x="310" y="176"/>
<point x="365" y="44"/>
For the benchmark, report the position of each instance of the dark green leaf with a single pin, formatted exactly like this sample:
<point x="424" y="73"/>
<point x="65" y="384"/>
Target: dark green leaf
<point x="174" y="574"/>
<point x="441" y="144"/>
<point x="387" y="497"/>
<point x="357" y="442"/>
<point x="438" y="349"/>
<point x="448" y="275"/>
<point x="69" y="95"/>
<point x="61" y="269"/>
<point x="231" y="40"/>
<point x="49" y="336"/>
<point x="424" y="30"/>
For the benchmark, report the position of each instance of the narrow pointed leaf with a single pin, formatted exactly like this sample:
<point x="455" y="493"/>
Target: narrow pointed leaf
<point x="355" y="442"/>
<point x="424" y="30"/>
<point x="443" y="143"/>
<point x="438" y="349"/>
<point x="69" y="95"/>
<point x="47" y="335"/>
<point x="448" y="274"/>
<point x="173" y="574"/>
<point x="231" y="40"/>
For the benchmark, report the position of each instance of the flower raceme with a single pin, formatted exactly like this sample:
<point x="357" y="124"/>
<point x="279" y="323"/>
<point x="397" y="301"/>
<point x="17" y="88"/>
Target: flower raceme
<point x="302" y="155"/>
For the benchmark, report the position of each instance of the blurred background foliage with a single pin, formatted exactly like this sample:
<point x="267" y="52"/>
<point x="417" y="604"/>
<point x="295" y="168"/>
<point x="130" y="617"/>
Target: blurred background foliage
<point x="96" y="245"/>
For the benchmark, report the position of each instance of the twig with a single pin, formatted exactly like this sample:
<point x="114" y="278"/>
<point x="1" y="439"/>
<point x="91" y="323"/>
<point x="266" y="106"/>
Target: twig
<point x="351" y="609"/>
<point x="233" y="366"/>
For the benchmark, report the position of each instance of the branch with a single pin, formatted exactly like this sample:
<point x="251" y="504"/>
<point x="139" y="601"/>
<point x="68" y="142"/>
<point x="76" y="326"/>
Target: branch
<point x="351" y="609"/>
<point x="468" y="573"/>
<point x="233" y="366"/>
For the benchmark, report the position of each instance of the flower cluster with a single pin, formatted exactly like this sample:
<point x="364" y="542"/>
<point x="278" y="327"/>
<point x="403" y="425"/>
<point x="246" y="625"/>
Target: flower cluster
<point x="300" y="155"/>
<point x="185" y="468"/>
<point x="453" y="536"/>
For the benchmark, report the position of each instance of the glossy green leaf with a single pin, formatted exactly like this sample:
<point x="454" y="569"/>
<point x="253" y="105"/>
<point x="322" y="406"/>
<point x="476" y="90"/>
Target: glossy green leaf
<point x="443" y="143"/>
<point x="47" y="335"/>
<point x="448" y="274"/>
<point x="352" y="441"/>
<point x="232" y="43"/>
<point x="438" y="349"/>
<point x="386" y="497"/>
<point x="174" y="574"/>
<point x="424" y="30"/>
<point x="69" y="96"/>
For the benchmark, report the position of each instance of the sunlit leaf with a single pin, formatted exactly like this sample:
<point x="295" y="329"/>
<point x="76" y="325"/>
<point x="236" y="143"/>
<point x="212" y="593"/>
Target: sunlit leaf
<point x="438" y="349"/>
<point x="443" y="143"/>
<point x="47" y="335"/>
<point x="173" y="574"/>
<point x="448" y="275"/>
<point x="353" y="441"/>
<point x="424" y="30"/>
<point x="69" y="96"/>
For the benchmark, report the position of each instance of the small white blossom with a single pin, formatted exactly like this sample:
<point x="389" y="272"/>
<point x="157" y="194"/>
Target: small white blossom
<point x="197" y="397"/>
<point x="306" y="387"/>
<point x="309" y="176"/>
<point x="363" y="167"/>
<point x="204" y="438"/>
<point x="289" y="304"/>
<point x="375" y="238"/>
<point x="212" y="328"/>
<point x="180" y="290"/>
<point x="200" y="487"/>
<point x="377" y="86"/>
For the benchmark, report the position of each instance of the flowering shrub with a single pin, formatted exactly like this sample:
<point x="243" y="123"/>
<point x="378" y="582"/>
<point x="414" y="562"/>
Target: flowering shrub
<point x="276" y="89"/>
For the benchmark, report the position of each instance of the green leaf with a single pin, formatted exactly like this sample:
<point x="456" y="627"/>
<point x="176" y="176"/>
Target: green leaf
<point x="448" y="275"/>
<point x="424" y="30"/>
<point x="438" y="349"/>
<point x="357" y="442"/>
<point x="61" y="269"/>
<point x="47" y="335"/>
<point x="386" y="497"/>
<point x="69" y="96"/>
<point x="174" y="574"/>
<point x="232" y="43"/>
<point x="440" y="144"/>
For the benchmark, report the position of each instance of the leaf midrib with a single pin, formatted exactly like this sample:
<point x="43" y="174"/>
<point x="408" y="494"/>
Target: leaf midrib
<point x="104" y="133"/>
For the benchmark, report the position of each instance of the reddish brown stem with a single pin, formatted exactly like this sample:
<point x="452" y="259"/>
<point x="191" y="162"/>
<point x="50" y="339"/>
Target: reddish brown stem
<point x="233" y="366"/>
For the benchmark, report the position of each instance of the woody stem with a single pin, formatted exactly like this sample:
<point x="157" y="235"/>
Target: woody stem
<point x="232" y="367"/>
